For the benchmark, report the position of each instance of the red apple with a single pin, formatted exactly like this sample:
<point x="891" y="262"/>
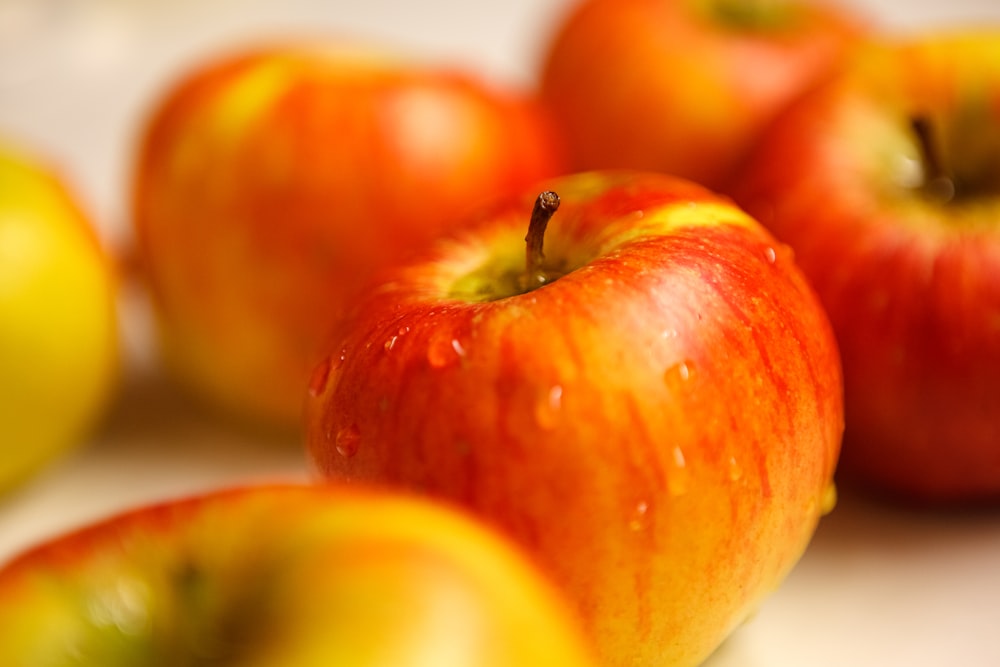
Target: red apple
<point x="886" y="182"/>
<point x="684" y="86"/>
<point x="289" y="576"/>
<point x="270" y="185"/>
<point x="649" y="402"/>
<point x="59" y="339"/>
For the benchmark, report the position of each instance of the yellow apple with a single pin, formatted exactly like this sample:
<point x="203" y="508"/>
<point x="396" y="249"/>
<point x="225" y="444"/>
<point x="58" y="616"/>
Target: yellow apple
<point x="59" y="352"/>
<point x="289" y="576"/>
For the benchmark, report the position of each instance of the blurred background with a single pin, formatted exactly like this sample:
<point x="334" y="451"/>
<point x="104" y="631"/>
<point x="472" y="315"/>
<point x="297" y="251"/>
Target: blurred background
<point x="879" y="586"/>
<point x="77" y="75"/>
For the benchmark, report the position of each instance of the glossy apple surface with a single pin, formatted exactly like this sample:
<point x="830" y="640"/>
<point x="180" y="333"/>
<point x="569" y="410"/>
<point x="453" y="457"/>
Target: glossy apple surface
<point x="59" y="354"/>
<point x="289" y="576"/>
<point x="658" y="423"/>
<point x="886" y="183"/>
<point x="684" y="86"/>
<point x="270" y="185"/>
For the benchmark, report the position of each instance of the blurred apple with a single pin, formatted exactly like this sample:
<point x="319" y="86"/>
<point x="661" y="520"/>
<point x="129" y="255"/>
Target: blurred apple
<point x="59" y="339"/>
<point x="886" y="182"/>
<point x="684" y="86"/>
<point x="270" y="185"/>
<point x="648" y="398"/>
<point x="284" y="576"/>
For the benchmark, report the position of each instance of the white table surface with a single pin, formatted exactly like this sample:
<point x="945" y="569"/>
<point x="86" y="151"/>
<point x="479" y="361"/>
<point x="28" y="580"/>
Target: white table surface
<point x="878" y="586"/>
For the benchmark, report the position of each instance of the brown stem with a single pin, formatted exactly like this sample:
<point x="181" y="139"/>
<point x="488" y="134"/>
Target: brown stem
<point x="545" y="206"/>
<point x="937" y="181"/>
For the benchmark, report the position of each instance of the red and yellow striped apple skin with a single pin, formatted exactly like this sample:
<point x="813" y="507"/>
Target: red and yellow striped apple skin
<point x="270" y="185"/>
<point x="911" y="285"/>
<point x="659" y="427"/>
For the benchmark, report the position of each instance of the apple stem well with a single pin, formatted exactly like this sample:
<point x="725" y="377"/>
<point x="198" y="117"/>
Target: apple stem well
<point x="754" y="15"/>
<point x="937" y="183"/>
<point x="511" y="271"/>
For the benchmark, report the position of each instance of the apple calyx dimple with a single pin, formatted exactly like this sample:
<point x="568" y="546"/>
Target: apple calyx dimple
<point x="753" y="15"/>
<point x="937" y="184"/>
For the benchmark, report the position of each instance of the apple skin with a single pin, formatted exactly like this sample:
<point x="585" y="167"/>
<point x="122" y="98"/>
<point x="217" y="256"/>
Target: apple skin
<point x="658" y="427"/>
<point x="684" y="87"/>
<point x="59" y="338"/>
<point x="911" y="285"/>
<point x="271" y="184"/>
<point x="289" y="576"/>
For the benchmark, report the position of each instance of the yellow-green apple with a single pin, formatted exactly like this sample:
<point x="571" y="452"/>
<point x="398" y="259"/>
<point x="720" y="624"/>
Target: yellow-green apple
<point x="59" y="342"/>
<point x="289" y="576"/>
<point x="270" y="184"/>
<point x="886" y="182"/>
<point x="684" y="86"/>
<point x="648" y="398"/>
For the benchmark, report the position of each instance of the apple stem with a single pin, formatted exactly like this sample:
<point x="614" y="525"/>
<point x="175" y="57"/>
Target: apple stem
<point x="545" y="206"/>
<point x="937" y="182"/>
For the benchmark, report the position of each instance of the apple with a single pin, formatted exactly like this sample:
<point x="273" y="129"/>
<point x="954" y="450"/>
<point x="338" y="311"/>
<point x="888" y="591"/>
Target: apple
<point x="59" y="339"/>
<point x="271" y="184"/>
<point x="646" y="397"/>
<point x="684" y="86"/>
<point x="885" y="182"/>
<point x="289" y="576"/>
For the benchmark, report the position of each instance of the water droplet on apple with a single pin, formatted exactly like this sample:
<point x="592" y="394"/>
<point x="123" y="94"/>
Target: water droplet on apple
<point x="770" y="255"/>
<point x="391" y="342"/>
<point x="444" y="350"/>
<point x="735" y="470"/>
<point x="348" y="440"/>
<point x="439" y="354"/>
<point x="319" y="378"/>
<point x="669" y="333"/>
<point x="679" y="372"/>
<point x="639" y="519"/>
<point x="679" y="460"/>
<point x="829" y="499"/>
<point x="677" y="478"/>
<point x="547" y="410"/>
